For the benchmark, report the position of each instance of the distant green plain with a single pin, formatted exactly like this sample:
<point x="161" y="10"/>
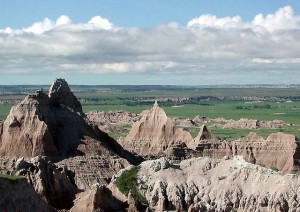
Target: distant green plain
<point x="111" y="98"/>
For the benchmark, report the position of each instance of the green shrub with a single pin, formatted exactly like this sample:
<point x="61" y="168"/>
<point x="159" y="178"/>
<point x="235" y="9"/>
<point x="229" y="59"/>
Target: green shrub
<point x="127" y="182"/>
<point x="10" y="177"/>
<point x="274" y="169"/>
<point x="222" y="178"/>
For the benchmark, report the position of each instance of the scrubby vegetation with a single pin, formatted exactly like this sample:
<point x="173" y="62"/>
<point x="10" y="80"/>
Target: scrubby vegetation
<point x="127" y="182"/>
<point x="10" y="177"/>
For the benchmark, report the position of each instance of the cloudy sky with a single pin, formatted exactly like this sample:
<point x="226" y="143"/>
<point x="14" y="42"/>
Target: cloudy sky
<point x="150" y="42"/>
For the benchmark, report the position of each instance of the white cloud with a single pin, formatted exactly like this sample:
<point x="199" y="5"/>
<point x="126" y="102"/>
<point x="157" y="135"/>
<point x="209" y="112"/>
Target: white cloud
<point x="40" y="27"/>
<point x="208" y="47"/>
<point x="62" y="20"/>
<point x="213" y="21"/>
<point x="284" y="18"/>
<point x="101" y="22"/>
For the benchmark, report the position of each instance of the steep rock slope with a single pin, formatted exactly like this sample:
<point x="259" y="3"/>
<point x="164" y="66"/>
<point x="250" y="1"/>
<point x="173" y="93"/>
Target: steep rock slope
<point x="18" y="195"/>
<point x="154" y="133"/>
<point x="53" y="125"/>
<point x="279" y="150"/>
<point x="53" y="184"/>
<point x="205" y="184"/>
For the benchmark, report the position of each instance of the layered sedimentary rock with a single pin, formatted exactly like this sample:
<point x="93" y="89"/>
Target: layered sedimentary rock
<point x="18" y="195"/>
<point x="154" y="133"/>
<point x="53" y="125"/>
<point x="206" y="184"/>
<point x="53" y="184"/>
<point x="279" y="150"/>
<point x="253" y="124"/>
<point x="112" y="121"/>
<point x="99" y="198"/>
<point x="93" y="168"/>
<point x="182" y="122"/>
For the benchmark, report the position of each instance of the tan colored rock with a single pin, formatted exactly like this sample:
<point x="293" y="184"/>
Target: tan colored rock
<point x="112" y="121"/>
<point x="53" y="125"/>
<point x="93" y="168"/>
<point x="206" y="184"/>
<point x="99" y="198"/>
<point x="53" y="184"/>
<point x="253" y="124"/>
<point x="182" y="122"/>
<point x="154" y="133"/>
<point x="279" y="150"/>
<point x="203" y="134"/>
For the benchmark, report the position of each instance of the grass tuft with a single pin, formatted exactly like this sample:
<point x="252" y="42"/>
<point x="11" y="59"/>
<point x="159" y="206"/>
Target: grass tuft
<point x="127" y="182"/>
<point x="10" y="177"/>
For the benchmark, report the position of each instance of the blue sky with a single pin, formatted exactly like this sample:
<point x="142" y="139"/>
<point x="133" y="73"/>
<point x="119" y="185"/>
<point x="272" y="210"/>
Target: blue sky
<point x="150" y="42"/>
<point x="133" y="13"/>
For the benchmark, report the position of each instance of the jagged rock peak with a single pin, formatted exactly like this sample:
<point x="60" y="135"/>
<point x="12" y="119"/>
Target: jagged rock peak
<point x="203" y="134"/>
<point x="60" y="93"/>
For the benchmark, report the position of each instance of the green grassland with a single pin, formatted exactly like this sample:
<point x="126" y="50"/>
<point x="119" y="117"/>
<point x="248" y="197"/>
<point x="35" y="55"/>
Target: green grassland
<point x="105" y="98"/>
<point x="286" y="111"/>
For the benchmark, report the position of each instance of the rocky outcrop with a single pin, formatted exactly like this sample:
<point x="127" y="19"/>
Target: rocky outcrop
<point x="253" y="124"/>
<point x="18" y="195"/>
<point x="55" y="185"/>
<point x="206" y="184"/>
<point x="112" y="121"/>
<point x="182" y="122"/>
<point x="99" y="198"/>
<point x="53" y="125"/>
<point x="154" y="133"/>
<point x="60" y="94"/>
<point x="279" y="150"/>
<point x="92" y="169"/>
<point x="204" y="134"/>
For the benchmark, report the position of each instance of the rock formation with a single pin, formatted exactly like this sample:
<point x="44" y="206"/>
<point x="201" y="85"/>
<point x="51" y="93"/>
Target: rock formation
<point x="182" y="122"/>
<point x="60" y="94"/>
<point x="253" y="124"/>
<point x="53" y="125"/>
<point x="99" y="198"/>
<point x="279" y="150"/>
<point x="154" y="133"/>
<point x="112" y="121"/>
<point x="206" y="184"/>
<point x="54" y="184"/>
<point x="18" y="195"/>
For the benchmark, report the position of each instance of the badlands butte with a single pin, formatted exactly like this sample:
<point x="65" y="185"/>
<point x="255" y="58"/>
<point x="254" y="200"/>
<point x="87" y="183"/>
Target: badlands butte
<point x="55" y="157"/>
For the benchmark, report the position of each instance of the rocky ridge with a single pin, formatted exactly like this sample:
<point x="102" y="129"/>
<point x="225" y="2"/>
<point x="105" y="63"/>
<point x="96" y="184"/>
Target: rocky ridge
<point x="254" y="124"/>
<point x="48" y="139"/>
<point x="154" y="133"/>
<point x="18" y="195"/>
<point x="55" y="185"/>
<point x="206" y="184"/>
<point x="53" y="125"/>
<point x="279" y="150"/>
<point x="112" y="121"/>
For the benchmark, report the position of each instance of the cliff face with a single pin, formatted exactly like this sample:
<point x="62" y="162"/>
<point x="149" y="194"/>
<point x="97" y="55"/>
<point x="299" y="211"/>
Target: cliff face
<point x="279" y="150"/>
<point x="206" y="184"/>
<point x="154" y="133"/>
<point x="53" y="184"/>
